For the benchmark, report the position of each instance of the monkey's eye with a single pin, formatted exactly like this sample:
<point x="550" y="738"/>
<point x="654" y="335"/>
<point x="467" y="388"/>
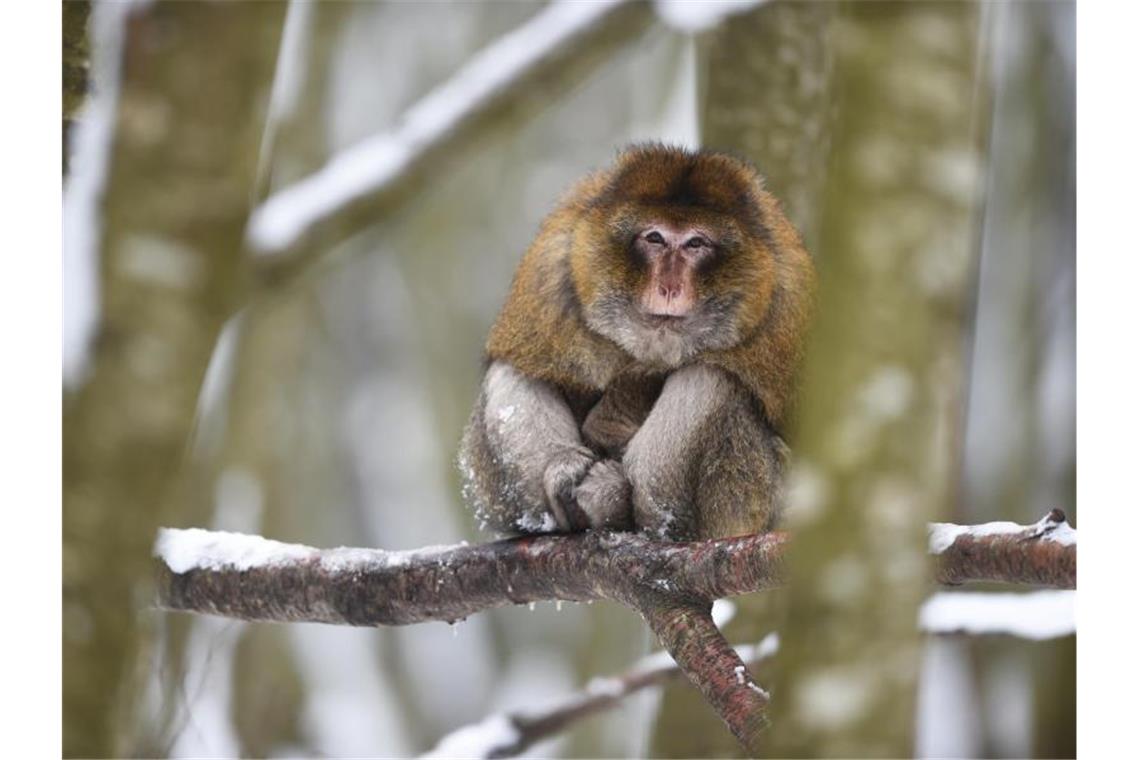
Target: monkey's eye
<point x="655" y="238"/>
<point x="696" y="242"/>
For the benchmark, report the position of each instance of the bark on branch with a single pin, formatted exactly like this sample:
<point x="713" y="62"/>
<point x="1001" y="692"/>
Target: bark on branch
<point x="1042" y="554"/>
<point x="671" y="585"/>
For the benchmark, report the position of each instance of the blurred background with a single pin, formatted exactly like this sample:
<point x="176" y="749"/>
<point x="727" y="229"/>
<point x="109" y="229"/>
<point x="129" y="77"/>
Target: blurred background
<point x="244" y="355"/>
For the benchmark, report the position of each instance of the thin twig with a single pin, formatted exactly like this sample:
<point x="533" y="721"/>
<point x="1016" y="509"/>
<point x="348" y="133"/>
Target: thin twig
<point x="526" y="727"/>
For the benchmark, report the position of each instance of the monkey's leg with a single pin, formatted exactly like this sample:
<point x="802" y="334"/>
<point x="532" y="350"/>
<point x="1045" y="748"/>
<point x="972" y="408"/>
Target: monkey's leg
<point x="524" y="466"/>
<point x="704" y="464"/>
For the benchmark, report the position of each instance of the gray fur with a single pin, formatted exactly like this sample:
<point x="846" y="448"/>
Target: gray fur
<point x="698" y="459"/>
<point x="704" y="463"/>
<point x="522" y="457"/>
<point x="709" y="327"/>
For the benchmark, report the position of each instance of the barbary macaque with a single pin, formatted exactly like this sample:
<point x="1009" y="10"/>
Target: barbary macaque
<point x="640" y="374"/>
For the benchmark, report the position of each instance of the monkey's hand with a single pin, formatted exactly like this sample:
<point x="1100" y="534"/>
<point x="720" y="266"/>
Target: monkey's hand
<point x="586" y="493"/>
<point x="604" y="495"/>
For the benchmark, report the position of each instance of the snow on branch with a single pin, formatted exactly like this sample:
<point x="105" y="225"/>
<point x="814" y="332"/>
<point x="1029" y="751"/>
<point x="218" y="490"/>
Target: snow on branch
<point x="252" y="578"/>
<point x="550" y="48"/>
<point x="1042" y="554"/>
<point x="510" y="734"/>
<point x="671" y="585"/>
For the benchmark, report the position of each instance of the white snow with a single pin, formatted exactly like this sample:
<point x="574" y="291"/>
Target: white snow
<point x="346" y="558"/>
<point x="188" y="549"/>
<point x="194" y="548"/>
<point x="698" y="15"/>
<point x="495" y="732"/>
<point x="759" y="689"/>
<point x="83" y="195"/>
<point x="532" y="523"/>
<point x="605" y="687"/>
<point x="1035" y="615"/>
<point x="377" y="161"/>
<point x="943" y="535"/>
<point x="1062" y="534"/>
<point x="723" y="611"/>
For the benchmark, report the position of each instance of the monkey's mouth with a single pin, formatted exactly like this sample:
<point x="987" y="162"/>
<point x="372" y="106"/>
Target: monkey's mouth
<point x="665" y="320"/>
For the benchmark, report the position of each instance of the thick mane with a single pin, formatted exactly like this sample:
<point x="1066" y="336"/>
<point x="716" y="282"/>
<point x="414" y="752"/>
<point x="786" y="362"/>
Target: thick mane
<point x="542" y="329"/>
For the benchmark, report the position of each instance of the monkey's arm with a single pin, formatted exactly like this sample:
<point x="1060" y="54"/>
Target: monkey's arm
<point x="621" y="411"/>
<point x="705" y="464"/>
<point x="525" y="467"/>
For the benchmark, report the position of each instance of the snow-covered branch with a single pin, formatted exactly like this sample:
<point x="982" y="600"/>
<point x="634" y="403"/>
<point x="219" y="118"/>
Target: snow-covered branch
<point x="671" y="585"/>
<point x="252" y="578"/>
<point x="509" y="734"/>
<point x="548" y="51"/>
<point x="1042" y="554"/>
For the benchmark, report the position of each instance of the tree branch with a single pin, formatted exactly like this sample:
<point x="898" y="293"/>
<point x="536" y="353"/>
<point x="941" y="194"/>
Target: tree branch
<point x="511" y="77"/>
<point x="510" y="734"/>
<point x="671" y="585"/>
<point x="1042" y="554"/>
<point x="251" y="578"/>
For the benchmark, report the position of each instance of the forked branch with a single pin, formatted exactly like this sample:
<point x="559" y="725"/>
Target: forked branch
<point x="671" y="585"/>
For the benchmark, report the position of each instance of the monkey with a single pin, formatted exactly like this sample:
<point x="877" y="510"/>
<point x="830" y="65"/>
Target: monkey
<point x="640" y="374"/>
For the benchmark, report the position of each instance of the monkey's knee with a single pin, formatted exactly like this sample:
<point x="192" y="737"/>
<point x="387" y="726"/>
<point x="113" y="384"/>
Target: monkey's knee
<point x="659" y="471"/>
<point x="740" y="490"/>
<point x="705" y="464"/>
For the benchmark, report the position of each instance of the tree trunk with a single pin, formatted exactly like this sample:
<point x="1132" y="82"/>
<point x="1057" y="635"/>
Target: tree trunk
<point x="171" y="270"/>
<point x="866" y="120"/>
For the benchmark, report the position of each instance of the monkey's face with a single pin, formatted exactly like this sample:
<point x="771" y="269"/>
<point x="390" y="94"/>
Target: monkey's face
<point x="670" y="255"/>
<point x="670" y="284"/>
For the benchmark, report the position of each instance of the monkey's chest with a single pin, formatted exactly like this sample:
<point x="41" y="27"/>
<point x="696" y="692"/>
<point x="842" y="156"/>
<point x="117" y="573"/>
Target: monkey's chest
<point x="610" y="419"/>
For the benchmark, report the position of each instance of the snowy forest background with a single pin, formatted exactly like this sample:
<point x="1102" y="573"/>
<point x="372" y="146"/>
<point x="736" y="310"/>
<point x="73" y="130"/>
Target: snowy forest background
<point x="312" y="389"/>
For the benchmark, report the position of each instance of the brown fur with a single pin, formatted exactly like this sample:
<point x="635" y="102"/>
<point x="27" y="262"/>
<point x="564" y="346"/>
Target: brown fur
<point x="580" y="258"/>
